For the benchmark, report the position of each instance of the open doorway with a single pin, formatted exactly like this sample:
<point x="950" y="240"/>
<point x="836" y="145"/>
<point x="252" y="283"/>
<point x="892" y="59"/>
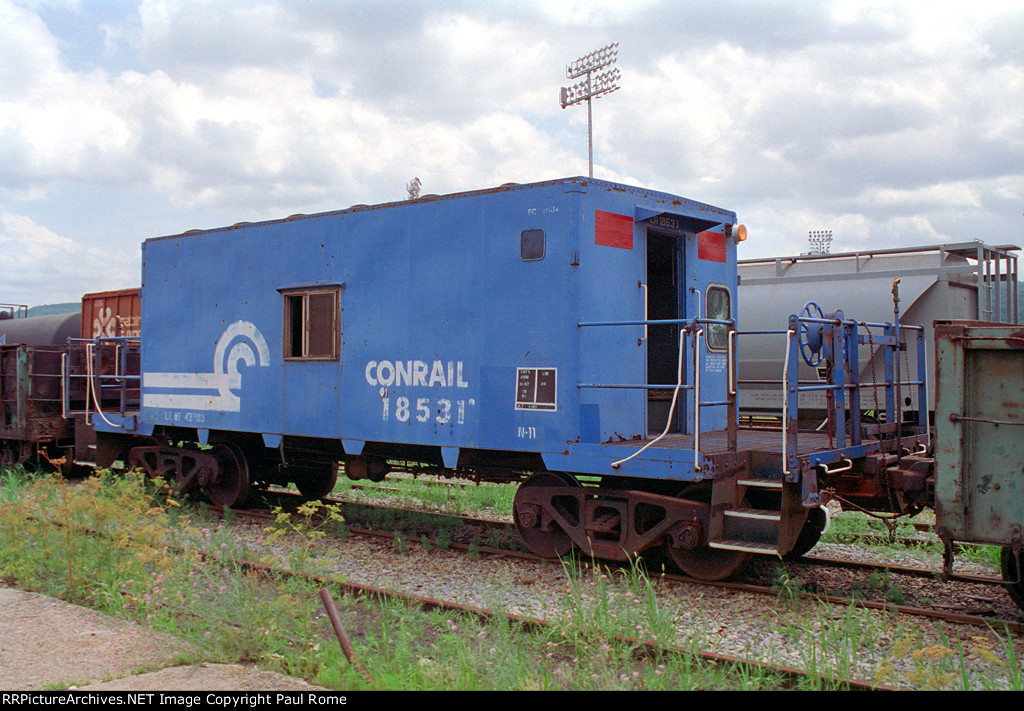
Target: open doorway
<point x="664" y="302"/>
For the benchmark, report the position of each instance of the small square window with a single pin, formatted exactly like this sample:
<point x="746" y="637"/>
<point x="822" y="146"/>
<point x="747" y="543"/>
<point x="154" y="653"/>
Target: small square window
<point x="531" y="245"/>
<point x="312" y="325"/>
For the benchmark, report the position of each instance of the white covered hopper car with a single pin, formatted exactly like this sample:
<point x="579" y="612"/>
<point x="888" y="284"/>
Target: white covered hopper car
<point x="969" y="280"/>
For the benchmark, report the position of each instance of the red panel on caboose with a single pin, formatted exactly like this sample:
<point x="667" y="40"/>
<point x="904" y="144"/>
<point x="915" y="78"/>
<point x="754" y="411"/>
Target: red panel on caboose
<point x="613" y="230"/>
<point x="711" y="246"/>
<point x="109" y="314"/>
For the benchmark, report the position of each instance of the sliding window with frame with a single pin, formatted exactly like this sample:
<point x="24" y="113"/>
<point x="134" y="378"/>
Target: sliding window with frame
<point x="312" y="324"/>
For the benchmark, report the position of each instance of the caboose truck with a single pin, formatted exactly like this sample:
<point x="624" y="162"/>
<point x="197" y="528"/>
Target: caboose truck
<point x="575" y="335"/>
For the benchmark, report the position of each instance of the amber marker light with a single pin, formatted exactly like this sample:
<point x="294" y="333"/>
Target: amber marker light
<point x="739" y="233"/>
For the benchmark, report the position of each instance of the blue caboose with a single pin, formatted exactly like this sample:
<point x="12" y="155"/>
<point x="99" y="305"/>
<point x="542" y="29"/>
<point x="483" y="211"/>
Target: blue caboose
<point x="452" y="323"/>
<point x="576" y="335"/>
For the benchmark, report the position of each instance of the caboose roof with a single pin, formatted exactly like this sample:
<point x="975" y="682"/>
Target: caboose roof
<point x="672" y="203"/>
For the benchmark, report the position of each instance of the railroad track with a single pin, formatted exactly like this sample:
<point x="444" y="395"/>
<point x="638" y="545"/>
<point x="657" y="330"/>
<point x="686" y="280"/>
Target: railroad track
<point x="875" y="590"/>
<point x="791" y="676"/>
<point x="817" y="557"/>
<point x="734" y="610"/>
<point x="714" y="622"/>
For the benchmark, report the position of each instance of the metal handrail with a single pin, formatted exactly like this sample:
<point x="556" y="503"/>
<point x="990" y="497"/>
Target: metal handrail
<point x="844" y="354"/>
<point x="694" y="325"/>
<point x="842" y="345"/>
<point x="97" y="382"/>
<point x="785" y="404"/>
<point x="626" y="386"/>
<point x="672" y="408"/>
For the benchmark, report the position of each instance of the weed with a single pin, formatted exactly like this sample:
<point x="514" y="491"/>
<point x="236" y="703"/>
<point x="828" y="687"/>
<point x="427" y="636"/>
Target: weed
<point x="399" y="544"/>
<point x="878" y="583"/>
<point x="309" y="524"/>
<point x="443" y="540"/>
<point x="982" y="555"/>
<point x="133" y="552"/>
<point x="784" y="587"/>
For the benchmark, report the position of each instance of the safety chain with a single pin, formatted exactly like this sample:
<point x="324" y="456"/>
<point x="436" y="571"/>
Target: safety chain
<point x="889" y="521"/>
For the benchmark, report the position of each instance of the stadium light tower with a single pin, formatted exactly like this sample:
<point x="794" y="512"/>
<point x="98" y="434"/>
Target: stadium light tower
<point x="592" y="87"/>
<point x="820" y="241"/>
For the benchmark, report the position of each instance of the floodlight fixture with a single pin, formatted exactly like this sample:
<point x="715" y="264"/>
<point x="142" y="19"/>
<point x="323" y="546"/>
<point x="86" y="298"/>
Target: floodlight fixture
<point x="820" y="241"/>
<point x="413" y="188"/>
<point x="593" y="87"/>
<point x="593" y="61"/>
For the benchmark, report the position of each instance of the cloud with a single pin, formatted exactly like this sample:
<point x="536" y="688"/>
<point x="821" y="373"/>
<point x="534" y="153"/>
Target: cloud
<point x="854" y="116"/>
<point x="40" y="266"/>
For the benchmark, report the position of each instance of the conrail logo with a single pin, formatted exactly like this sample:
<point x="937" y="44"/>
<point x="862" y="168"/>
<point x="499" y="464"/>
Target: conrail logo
<point x="417" y="373"/>
<point x="242" y="343"/>
<point x="108" y="325"/>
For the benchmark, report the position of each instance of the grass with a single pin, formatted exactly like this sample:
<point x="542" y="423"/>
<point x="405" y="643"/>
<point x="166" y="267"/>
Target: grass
<point x="478" y="499"/>
<point x="877" y="582"/>
<point x="852" y="523"/>
<point x="982" y="555"/>
<point x="929" y="546"/>
<point x="110" y="543"/>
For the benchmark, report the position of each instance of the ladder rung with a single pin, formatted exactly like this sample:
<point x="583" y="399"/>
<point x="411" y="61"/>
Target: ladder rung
<point x="746" y="546"/>
<point x="759" y="514"/>
<point x="761" y="483"/>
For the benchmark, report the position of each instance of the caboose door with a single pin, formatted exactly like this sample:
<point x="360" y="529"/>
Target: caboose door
<point x="664" y="302"/>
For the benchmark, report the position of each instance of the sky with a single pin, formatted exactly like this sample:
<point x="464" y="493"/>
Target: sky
<point x="889" y="123"/>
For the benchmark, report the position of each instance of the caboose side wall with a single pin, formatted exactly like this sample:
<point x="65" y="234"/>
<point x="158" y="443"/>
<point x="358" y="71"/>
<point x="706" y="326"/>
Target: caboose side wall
<point x="473" y="312"/>
<point x="418" y="354"/>
<point x="443" y="325"/>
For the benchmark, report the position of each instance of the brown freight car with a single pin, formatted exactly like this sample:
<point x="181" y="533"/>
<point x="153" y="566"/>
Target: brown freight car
<point x="110" y="314"/>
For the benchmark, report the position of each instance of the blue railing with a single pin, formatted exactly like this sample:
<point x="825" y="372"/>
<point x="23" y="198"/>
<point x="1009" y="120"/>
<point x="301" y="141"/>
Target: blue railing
<point x="108" y="375"/>
<point x="833" y="341"/>
<point x="695" y="328"/>
<point x="836" y="342"/>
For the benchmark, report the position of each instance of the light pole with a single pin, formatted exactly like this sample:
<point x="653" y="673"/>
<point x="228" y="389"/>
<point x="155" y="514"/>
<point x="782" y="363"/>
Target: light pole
<point x="592" y="87"/>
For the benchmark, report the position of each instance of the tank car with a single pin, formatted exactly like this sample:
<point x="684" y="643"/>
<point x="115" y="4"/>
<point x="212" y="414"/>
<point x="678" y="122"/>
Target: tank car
<point x="576" y="336"/>
<point x="33" y="430"/>
<point x="54" y="329"/>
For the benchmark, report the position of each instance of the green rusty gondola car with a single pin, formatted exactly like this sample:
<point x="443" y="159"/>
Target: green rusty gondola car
<point x="979" y="434"/>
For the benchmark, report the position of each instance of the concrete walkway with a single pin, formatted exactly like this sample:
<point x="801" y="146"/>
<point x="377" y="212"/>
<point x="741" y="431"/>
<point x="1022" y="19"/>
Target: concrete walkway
<point x="47" y="644"/>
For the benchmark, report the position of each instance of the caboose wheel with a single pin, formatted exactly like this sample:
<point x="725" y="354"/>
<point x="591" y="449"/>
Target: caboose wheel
<point x="709" y="564"/>
<point x="702" y="562"/>
<point x="539" y="531"/>
<point x="317" y="482"/>
<point x="230" y="485"/>
<point x="809" y="534"/>
<point x="1008" y="563"/>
